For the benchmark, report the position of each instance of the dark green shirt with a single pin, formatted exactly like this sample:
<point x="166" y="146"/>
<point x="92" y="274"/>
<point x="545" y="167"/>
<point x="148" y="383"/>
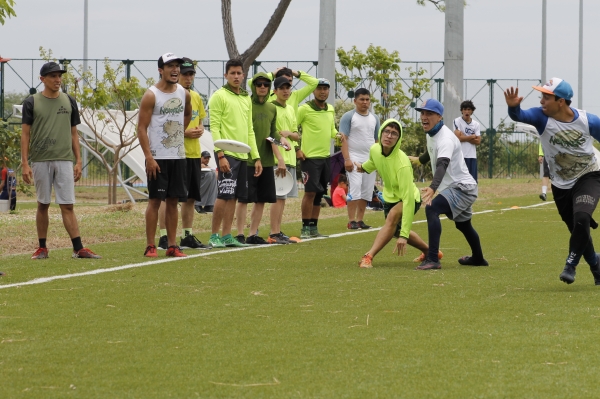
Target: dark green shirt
<point x="264" y="119"/>
<point x="51" y="120"/>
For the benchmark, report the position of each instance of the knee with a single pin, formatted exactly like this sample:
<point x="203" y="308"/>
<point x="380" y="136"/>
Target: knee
<point x="430" y="211"/>
<point x="581" y="219"/>
<point x="463" y="226"/>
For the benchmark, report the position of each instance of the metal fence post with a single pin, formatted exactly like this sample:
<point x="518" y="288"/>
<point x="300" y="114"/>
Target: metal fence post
<point x="128" y="64"/>
<point x="2" y="62"/>
<point x="491" y="131"/>
<point x="440" y="84"/>
<point x="64" y="63"/>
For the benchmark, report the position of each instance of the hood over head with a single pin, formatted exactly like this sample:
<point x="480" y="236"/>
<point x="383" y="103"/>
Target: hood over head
<point x="383" y="126"/>
<point x="259" y="76"/>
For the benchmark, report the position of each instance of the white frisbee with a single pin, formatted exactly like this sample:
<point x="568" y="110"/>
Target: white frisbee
<point x="233" y="146"/>
<point x="284" y="185"/>
<point x="207" y="170"/>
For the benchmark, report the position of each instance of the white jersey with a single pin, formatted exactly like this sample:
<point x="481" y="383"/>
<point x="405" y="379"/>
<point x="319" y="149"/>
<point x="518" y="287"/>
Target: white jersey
<point x="362" y="131"/>
<point x="166" y="129"/>
<point x="445" y="144"/>
<point x="469" y="129"/>
<point x="568" y="149"/>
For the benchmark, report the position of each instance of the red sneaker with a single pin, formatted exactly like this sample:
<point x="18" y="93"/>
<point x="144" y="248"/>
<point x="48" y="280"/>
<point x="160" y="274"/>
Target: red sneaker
<point x="366" y="262"/>
<point x="175" y="251"/>
<point x="150" y="251"/>
<point x="86" y="253"/>
<point x="40" y="253"/>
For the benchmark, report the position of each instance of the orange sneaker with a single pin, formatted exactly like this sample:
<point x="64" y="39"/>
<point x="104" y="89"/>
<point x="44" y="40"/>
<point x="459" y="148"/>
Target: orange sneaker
<point x="40" y="253"/>
<point x="150" y="251"/>
<point x="366" y="261"/>
<point x="422" y="257"/>
<point x="86" y="253"/>
<point x="175" y="251"/>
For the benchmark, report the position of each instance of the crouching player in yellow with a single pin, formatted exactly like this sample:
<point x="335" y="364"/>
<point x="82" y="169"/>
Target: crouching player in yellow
<point x="401" y="196"/>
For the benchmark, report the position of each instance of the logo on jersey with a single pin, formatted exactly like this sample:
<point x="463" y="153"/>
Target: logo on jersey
<point x="568" y="139"/>
<point x="305" y="177"/>
<point x="572" y="165"/>
<point x="62" y="110"/>
<point x="172" y="106"/>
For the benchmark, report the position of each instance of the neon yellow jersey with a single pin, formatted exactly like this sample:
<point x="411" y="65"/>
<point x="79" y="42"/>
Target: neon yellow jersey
<point x="286" y="120"/>
<point x="318" y="128"/>
<point x="192" y="146"/>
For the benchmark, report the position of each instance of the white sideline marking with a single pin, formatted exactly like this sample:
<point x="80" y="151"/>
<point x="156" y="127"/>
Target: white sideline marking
<point x="42" y="280"/>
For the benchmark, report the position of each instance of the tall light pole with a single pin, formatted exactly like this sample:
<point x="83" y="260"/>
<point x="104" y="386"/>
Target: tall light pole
<point x="326" y="67"/>
<point x="453" y="60"/>
<point x="544" y="80"/>
<point x="84" y="152"/>
<point x="580" y="69"/>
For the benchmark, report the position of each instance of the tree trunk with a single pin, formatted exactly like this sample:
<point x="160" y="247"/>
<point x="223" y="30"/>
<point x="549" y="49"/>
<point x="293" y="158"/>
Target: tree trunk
<point x="115" y="174"/>
<point x="250" y="55"/>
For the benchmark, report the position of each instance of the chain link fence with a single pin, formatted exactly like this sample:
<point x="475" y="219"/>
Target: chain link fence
<point x="505" y="152"/>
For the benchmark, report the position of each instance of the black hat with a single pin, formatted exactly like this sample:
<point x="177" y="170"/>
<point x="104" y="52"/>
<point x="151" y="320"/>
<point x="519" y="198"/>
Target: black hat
<point x="280" y="81"/>
<point x="187" y="65"/>
<point x="166" y="58"/>
<point x="205" y="154"/>
<point x="50" y="67"/>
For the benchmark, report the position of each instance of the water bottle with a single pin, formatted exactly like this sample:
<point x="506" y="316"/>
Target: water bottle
<point x="380" y="197"/>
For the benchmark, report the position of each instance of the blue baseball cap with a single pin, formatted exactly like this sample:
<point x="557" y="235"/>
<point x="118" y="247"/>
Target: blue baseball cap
<point x="557" y="87"/>
<point x="431" y="105"/>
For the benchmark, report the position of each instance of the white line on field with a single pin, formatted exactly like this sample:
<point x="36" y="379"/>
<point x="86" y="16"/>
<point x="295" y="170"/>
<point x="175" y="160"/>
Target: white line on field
<point x="43" y="280"/>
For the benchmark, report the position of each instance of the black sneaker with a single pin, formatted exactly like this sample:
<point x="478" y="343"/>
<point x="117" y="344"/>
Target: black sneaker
<point x="163" y="243"/>
<point x="190" y="241"/>
<point x="255" y="240"/>
<point x="543" y="196"/>
<point x="429" y="265"/>
<point x="278" y="238"/>
<point x="470" y="261"/>
<point x="363" y="226"/>
<point x="286" y="237"/>
<point x="353" y="225"/>
<point x="240" y="238"/>
<point x="199" y="209"/>
<point x="208" y="209"/>
<point x="568" y="274"/>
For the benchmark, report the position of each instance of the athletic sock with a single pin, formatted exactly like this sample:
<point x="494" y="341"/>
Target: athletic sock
<point x="42" y="242"/>
<point x="163" y="232"/>
<point x="314" y="222"/>
<point x="544" y="189"/>
<point x="580" y="239"/>
<point x="305" y="222"/>
<point x="77" y="245"/>
<point x="472" y="238"/>
<point x="434" y="230"/>
<point x="186" y="232"/>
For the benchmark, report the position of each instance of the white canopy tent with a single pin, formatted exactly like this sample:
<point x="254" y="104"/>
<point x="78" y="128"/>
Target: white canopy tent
<point x="134" y="159"/>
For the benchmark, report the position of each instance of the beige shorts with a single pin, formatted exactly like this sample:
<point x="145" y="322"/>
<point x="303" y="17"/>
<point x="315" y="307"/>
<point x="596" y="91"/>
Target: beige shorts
<point x="59" y="174"/>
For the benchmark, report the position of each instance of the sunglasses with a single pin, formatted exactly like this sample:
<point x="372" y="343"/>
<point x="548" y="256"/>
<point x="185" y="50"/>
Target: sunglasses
<point x="262" y="84"/>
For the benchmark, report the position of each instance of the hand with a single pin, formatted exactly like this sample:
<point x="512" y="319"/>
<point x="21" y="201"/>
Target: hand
<point x="193" y="133"/>
<point x="77" y="171"/>
<point x="341" y="137"/>
<point x="427" y="195"/>
<point x="415" y="161"/>
<point x="348" y="165"/>
<point x="257" y="168"/>
<point x="27" y="174"/>
<point x="224" y="165"/>
<point x="300" y="155"/>
<point x="201" y="128"/>
<point x="152" y="169"/>
<point x="277" y="70"/>
<point x="281" y="169"/>
<point x="286" y="144"/>
<point x="400" y="247"/>
<point x="295" y="73"/>
<point x="359" y="168"/>
<point x="512" y="97"/>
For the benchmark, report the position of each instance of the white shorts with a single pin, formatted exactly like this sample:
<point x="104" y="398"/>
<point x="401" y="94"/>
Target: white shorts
<point x="54" y="173"/>
<point x="361" y="185"/>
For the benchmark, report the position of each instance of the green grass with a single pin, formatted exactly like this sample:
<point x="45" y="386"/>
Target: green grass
<point x="304" y="321"/>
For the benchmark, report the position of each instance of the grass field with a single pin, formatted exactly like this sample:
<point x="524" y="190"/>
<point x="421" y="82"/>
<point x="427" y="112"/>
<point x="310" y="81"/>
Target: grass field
<point x="303" y="321"/>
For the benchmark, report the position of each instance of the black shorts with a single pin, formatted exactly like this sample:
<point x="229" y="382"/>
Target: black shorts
<point x="261" y="188"/>
<point x="545" y="168"/>
<point x="193" y="181"/>
<point x="387" y="207"/>
<point x="171" y="181"/>
<point x="582" y="197"/>
<point x="315" y="175"/>
<point x="234" y="184"/>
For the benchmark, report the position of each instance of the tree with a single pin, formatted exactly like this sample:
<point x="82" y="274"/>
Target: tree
<point x="6" y="10"/>
<point x="379" y="71"/>
<point x="250" y="55"/>
<point x="439" y="4"/>
<point x="103" y="107"/>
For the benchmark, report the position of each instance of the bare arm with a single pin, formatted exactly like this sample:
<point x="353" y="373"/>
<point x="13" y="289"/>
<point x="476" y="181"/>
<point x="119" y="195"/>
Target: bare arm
<point x="348" y="164"/>
<point x="76" y="152"/>
<point x="26" y="172"/>
<point x="187" y="113"/>
<point x="144" y="118"/>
